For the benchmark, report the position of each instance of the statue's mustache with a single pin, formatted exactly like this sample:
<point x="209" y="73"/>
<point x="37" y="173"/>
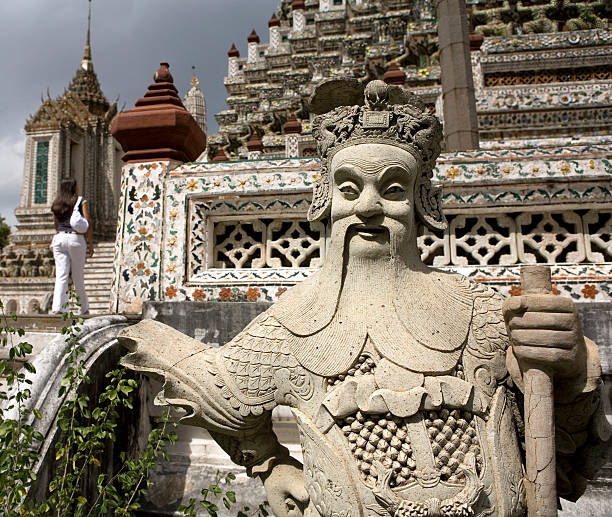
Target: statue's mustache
<point x="340" y="227"/>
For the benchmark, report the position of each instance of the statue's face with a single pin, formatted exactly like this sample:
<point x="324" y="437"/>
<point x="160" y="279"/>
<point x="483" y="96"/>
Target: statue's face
<point x="373" y="184"/>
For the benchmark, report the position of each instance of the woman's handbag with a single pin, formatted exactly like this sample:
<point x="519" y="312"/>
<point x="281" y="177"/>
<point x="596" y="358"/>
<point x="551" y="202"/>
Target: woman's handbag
<point x="77" y="221"/>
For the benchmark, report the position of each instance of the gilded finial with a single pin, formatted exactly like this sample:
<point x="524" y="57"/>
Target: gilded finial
<point x="86" y="63"/>
<point x="194" y="80"/>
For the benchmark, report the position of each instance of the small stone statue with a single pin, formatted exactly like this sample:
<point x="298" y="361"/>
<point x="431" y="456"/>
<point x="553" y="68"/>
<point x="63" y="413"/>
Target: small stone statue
<point x="14" y="262"/>
<point x="30" y="264"/>
<point x="405" y="381"/>
<point x="47" y="268"/>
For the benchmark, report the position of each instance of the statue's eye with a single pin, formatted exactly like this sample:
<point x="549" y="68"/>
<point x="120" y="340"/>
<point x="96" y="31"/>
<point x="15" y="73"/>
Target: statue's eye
<point x="395" y="191"/>
<point x="349" y="191"/>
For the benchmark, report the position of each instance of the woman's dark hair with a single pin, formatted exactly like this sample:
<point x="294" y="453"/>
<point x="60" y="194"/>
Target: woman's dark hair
<point x="66" y="198"/>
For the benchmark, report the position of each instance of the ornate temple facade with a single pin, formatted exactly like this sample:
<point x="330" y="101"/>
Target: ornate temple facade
<point x="541" y="71"/>
<point x="537" y="190"/>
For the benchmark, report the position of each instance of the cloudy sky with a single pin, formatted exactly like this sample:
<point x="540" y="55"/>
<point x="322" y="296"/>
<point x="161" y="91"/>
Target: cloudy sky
<point x="42" y="45"/>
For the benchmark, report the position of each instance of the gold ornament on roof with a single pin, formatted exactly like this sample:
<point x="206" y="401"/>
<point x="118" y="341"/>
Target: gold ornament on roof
<point x="194" y="80"/>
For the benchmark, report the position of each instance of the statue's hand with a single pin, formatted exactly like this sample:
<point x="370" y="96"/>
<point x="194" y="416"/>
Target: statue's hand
<point x="285" y="488"/>
<point x="545" y="332"/>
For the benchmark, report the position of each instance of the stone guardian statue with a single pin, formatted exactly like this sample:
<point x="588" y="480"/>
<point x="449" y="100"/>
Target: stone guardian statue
<point x="405" y="381"/>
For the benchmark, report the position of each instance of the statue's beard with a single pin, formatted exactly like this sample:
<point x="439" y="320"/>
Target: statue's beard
<point x="389" y="297"/>
<point x="369" y="266"/>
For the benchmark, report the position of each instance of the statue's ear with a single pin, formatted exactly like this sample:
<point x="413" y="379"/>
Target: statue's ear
<point x="428" y="201"/>
<point x="321" y="197"/>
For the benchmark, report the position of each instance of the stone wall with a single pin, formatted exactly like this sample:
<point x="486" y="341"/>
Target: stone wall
<point x="237" y="231"/>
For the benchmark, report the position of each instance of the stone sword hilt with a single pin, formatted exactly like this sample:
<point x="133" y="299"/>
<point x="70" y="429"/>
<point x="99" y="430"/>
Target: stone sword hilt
<point x="541" y="473"/>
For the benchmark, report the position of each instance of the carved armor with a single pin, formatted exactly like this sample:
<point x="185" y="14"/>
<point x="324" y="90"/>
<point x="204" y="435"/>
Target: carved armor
<point x="437" y="445"/>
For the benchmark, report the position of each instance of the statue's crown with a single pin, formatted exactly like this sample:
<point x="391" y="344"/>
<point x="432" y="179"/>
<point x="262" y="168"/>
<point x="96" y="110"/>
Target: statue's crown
<point x="381" y="114"/>
<point x="350" y="115"/>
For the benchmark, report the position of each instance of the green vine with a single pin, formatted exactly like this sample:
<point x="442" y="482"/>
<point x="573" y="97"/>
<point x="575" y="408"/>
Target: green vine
<point x="17" y="434"/>
<point x="220" y="493"/>
<point x="86" y="428"/>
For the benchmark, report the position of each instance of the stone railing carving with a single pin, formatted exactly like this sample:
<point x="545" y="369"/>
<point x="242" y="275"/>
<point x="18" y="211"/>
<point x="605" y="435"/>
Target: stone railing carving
<point x="488" y="239"/>
<point x="236" y="236"/>
<point x="521" y="238"/>
<point x="260" y="243"/>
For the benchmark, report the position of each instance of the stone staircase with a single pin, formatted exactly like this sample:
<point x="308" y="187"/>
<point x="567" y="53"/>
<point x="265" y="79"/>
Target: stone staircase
<point x="99" y="276"/>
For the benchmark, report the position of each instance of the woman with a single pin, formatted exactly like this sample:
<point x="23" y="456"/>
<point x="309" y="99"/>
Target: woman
<point x="69" y="247"/>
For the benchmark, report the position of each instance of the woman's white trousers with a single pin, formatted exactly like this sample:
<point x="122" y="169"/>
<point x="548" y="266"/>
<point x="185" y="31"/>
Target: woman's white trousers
<point x="69" y="251"/>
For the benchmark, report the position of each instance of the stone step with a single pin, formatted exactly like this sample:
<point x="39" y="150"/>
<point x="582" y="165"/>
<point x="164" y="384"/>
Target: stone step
<point x="97" y="293"/>
<point x="98" y="297"/>
<point x="99" y="305"/>
<point x="98" y="260"/>
<point x="104" y="270"/>
<point x="103" y="308"/>
<point x="99" y="277"/>
<point x="99" y="272"/>
<point x="92" y="276"/>
<point x="99" y="287"/>
<point x="99" y="301"/>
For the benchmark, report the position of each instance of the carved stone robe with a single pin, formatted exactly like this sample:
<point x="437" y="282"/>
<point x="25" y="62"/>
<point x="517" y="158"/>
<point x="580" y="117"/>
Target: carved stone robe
<point x="387" y="428"/>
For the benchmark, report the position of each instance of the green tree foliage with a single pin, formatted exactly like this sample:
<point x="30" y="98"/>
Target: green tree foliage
<point x="5" y="231"/>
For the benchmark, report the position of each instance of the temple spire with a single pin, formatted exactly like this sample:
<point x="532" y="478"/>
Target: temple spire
<point x="87" y="63"/>
<point x="85" y="83"/>
<point x="195" y="103"/>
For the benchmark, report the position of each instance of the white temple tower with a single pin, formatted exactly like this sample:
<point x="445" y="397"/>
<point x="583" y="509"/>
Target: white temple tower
<point x="196" y="105"/>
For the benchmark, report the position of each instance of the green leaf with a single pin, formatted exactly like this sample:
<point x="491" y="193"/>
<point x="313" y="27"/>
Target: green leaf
<point x="5" y="427"/>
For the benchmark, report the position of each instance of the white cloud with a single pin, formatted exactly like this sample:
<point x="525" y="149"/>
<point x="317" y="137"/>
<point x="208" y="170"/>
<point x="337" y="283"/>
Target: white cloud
<point x="11" y="175"/>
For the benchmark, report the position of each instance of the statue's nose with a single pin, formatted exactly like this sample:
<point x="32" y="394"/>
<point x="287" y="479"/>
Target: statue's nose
<point x="369" y="204"/>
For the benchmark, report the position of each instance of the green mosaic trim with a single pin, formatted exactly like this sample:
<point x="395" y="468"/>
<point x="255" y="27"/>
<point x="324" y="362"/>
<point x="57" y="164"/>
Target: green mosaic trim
<point x="41" y="173"/>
